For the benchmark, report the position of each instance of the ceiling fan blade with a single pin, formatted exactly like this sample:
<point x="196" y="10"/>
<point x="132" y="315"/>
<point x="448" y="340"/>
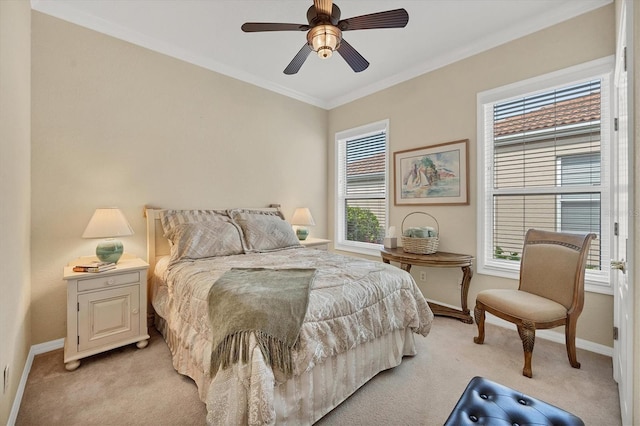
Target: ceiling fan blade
<point x="252" y="27"/>
<point x="298" y="60"/>
<point x="396" y="18"/>
<point x="323" y="7"/>
<point x="352" y="57"/>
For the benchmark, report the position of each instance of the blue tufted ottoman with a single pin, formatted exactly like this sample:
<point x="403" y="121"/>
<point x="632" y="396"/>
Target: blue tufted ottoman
<point x="484" y="402"/>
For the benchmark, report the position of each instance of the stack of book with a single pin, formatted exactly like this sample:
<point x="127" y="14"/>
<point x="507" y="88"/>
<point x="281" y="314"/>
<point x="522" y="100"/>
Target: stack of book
<point x="94" y="267"/>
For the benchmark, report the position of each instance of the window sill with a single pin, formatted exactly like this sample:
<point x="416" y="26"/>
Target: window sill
<point x="362" y="248"/>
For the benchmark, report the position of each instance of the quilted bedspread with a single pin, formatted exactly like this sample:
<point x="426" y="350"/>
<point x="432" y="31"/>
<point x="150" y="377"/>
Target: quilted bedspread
<point x="352" y="301"/>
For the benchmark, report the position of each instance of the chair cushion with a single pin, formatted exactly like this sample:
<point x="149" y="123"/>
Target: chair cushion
<point x="523" y="305"/>
<point x="484" y="402"/>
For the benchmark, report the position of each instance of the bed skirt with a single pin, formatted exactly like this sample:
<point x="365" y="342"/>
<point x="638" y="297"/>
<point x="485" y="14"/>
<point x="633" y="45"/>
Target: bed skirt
<point x="302" y="399"/>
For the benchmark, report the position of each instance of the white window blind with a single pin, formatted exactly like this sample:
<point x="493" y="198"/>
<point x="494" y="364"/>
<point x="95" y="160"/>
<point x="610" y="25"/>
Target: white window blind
<point x="546" y="163"/>
<point x="361" y="202"/>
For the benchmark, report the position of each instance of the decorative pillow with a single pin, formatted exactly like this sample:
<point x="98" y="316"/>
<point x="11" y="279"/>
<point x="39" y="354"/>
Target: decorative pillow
<point x="264" y="231"/>
<point x="170" y="219"/>
<point x="205" y="239"/>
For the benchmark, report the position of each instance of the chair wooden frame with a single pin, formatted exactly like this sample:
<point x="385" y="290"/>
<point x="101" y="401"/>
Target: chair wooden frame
<point x="570" y="243"/>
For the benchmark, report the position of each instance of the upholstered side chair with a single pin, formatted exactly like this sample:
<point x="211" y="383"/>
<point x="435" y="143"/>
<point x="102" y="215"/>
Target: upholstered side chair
<point x="550" y="293"/>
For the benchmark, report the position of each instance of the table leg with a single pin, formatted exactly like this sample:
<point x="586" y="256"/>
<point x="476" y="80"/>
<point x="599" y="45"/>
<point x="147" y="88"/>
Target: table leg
<point x="461" y="314"/>
<point x="467" y="273"/>
<point x="403" y="266"/>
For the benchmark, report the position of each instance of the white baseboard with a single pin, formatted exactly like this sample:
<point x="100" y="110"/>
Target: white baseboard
<point x="544" y="334"/>
<point x="35" y="350"/>
<point x="555" y="337"/>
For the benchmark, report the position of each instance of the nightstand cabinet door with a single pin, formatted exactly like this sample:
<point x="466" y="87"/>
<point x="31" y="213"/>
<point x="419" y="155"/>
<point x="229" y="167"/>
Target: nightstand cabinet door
<point x="108" y="316"/>
<point x="105" y="310"/>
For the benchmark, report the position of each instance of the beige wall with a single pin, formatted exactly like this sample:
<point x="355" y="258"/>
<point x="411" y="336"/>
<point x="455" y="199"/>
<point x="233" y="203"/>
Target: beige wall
<point x="116" y="124"/>
<point x="440" y="106"/>
<point x="15" y="290"/>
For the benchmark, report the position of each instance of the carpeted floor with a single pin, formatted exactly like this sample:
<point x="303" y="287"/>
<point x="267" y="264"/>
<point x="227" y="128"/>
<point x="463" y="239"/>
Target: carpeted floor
<point x="128" y="386"/>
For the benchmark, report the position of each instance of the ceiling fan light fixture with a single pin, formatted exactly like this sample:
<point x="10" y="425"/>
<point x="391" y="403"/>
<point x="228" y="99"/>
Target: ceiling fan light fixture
<point x="324" y="32"/>
<point x="324" y="39"/>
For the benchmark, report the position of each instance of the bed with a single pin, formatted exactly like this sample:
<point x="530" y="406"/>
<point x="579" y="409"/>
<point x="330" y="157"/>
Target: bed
<point x="362" y="316"/>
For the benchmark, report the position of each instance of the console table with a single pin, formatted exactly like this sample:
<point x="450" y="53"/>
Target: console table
<point x="438" y="260"/>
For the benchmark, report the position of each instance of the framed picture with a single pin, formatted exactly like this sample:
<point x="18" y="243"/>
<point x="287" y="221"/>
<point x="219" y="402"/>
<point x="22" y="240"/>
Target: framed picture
<point x="433" y="175"/>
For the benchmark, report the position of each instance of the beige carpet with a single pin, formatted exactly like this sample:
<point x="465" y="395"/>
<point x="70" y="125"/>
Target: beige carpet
<point x="128" y="386"/>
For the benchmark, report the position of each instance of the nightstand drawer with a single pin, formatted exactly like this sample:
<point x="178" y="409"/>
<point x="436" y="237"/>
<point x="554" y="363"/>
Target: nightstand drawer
<point x="108" y="281"/>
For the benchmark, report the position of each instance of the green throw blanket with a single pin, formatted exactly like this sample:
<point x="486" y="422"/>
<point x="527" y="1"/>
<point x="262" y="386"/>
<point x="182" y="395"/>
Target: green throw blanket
<point x="268" y="303"/>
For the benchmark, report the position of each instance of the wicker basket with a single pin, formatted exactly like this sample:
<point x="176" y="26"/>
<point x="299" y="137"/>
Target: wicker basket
<point x="421" y="245"/>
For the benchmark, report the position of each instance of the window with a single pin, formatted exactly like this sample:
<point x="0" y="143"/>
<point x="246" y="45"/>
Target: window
<point x="543" y="145"/>
<point x="361" y="193"/>
<point x="579" y="212"/>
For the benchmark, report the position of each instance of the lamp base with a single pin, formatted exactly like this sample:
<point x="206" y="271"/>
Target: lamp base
<point x="302" y="233"/>
<point x="109" y="250"/>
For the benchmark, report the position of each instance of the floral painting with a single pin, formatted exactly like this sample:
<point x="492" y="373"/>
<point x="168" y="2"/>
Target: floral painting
<point x="431" y="175"/>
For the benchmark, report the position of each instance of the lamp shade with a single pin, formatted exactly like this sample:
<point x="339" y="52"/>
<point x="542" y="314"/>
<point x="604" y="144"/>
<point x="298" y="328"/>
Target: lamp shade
<point x="302" y="217"/>
<point x="108" y="223"/>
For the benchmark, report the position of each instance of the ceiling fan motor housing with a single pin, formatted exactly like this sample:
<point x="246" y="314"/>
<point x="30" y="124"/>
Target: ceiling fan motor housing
<point x="314" y="18"/>
<point x="324" y="39"/>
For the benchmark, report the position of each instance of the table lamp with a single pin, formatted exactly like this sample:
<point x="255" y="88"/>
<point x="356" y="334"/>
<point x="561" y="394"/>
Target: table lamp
<point x="108" y="223"/>
<point x="302" y="218"/>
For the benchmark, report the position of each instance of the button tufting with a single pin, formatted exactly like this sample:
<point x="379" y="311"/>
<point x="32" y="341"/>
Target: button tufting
<point x="484" y="400"/>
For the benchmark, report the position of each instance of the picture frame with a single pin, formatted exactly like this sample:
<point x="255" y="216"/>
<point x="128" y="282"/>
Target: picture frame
<point x="432" y="175"/>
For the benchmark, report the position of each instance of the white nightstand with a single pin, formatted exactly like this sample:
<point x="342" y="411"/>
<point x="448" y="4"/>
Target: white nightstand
<point x="316" y="243"/>
<point x="105" y="310"/>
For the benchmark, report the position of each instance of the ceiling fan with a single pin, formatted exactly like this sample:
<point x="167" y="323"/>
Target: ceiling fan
<point x="325" y="30"/>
